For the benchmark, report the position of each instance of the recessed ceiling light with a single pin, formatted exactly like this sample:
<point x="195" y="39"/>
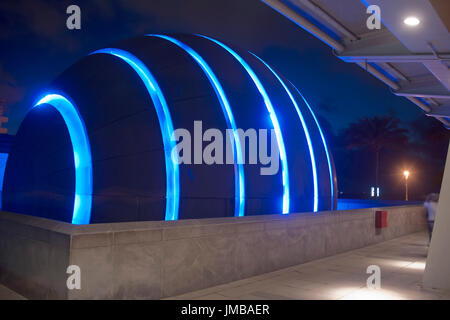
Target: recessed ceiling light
<point x="411" y="21"/>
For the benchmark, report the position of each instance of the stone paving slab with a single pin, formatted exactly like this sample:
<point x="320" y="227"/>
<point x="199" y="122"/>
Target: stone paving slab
<point x="8" y="294"/>
<point x="343" y="276"/>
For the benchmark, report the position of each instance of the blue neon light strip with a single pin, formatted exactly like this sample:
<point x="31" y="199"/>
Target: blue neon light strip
<point x="226" y="108"/>
<point x="81" y="154"/>
<point x="273" y="117"/>
<point x="330" y="168"/>
<point x="305" y="129"/>
<point x="165" y="123"/>
<point x="3" y="160"/>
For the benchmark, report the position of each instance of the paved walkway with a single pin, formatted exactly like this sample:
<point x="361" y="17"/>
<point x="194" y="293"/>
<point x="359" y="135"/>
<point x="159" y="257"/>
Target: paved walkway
<point x="343" y="276"/>
<point x="8" y="294"/>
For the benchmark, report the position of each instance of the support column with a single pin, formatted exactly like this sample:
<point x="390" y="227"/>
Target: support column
<point x="437" y="271"/>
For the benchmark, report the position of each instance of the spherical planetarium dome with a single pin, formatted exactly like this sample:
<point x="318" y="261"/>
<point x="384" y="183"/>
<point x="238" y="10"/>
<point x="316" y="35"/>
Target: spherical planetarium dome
<point x="96" y="147"/>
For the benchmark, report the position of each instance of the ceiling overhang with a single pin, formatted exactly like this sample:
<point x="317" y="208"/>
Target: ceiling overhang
<point x="413" y="61"/>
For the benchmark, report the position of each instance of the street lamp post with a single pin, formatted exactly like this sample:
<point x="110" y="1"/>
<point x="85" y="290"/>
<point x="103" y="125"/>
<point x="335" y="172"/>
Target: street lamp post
<point x="406" y="174"/>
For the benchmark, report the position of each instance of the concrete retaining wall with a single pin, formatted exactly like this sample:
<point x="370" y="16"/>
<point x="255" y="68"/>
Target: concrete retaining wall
<point x="161" y="259"/>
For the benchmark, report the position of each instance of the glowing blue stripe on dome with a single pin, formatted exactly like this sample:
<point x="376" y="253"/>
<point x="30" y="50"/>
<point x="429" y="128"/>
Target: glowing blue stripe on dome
<point x="273" y="117"/>
<point x="305" y="129"/>
<point x="330" y="168"/>
<point x="81" y="154"/>
<point x="165" y="123"/>
<point x="239" y="176"/>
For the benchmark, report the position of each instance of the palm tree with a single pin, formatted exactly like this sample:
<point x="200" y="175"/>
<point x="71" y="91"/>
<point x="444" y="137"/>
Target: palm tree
<point x="375" y="134"/>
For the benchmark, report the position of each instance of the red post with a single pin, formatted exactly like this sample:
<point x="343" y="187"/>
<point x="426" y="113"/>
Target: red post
<point x="380" y="219"/>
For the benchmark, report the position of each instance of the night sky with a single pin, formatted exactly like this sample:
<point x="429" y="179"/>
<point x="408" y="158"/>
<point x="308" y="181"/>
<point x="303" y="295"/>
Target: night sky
<point x="36" y="46"/>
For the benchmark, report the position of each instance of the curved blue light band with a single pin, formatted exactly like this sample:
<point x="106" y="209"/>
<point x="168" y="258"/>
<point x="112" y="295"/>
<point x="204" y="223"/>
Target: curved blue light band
<point x="273" y="117"/>
<point x="330" y="168"/>
<point x="305" y="129"/>
<point x="81" y="154"/>
<point x="226" y="108"/>
<point x="165" y="123"/>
